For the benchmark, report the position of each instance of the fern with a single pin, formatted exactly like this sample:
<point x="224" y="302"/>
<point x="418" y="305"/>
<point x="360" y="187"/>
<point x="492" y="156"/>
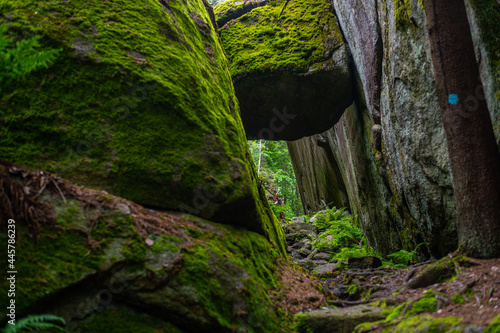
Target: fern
<point x="37" y="323"/>
<point x="339" y="230"/>
<point x="403" y="257"/>
<point x="21" y="58"/>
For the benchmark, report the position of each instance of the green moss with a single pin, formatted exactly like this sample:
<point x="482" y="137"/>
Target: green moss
<point x="428" y="303"/>
<point x="458" y="298"/>
<point x="353" y="289"/>
<point x="139" y="103"/>
<point x="242" y="267"/>
<point x="402" y="12"/>
<point x="366" y="327"/>
<point x="262" y="41"/>
<point x="301" y="324"/>
<point x="118" y="320"/>
<point x="425" y="324"/>
<point x="494" y="326"/>
<point x="134" y="249"/>
<point x="166" y="243"/>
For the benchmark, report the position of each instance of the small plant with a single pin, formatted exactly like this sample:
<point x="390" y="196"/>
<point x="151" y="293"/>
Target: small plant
<point x="21" y="58"/>
<point x="403" y="258"/>
<point x="35" y="323"/>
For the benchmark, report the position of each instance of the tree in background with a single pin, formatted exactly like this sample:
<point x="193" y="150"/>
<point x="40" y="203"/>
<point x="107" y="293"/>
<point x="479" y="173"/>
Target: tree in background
<point x="474" y="155"/>
<point x="277" y="175"/>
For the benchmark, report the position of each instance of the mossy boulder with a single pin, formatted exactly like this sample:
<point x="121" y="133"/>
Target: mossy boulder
<point x="336" y="320"/>
<point x="103" y="262"/>
<point x="139" y="103"/>
<point x="289" y="66"/>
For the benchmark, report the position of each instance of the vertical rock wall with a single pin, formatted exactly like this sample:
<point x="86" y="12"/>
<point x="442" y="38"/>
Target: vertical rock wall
<point x="390" y="146"/>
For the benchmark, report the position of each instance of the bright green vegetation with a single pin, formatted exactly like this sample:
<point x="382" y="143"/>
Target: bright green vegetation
<point x="21" y="58"/>
<point x="402" y="12"/>
<point x="46" y="323"/>
<point x="275" y="170"/>
<point x="423" y="324"/>
<point x="459" y="298"/>
<point x="139" y="103"/>
<point x="403" y="258"/>
<point x="340" y="234"/>
<point x="494" y="326"/>
<point x="337" y="230"/>
<point x="428" y="303"/>
<point x="263" y="41"/>
<point x="406" y="317"/>
<point x="301" y="323"/>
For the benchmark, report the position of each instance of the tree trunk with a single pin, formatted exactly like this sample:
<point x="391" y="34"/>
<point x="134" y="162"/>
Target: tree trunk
<point x="474" y="155"/>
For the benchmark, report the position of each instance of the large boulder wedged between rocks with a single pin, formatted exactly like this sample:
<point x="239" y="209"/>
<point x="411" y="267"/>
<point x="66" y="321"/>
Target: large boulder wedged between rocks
<point x="290" y="68"/>
<point x="138" y="103"/>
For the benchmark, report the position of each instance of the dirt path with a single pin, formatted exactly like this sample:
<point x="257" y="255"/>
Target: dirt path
<point x="423" y="294"/>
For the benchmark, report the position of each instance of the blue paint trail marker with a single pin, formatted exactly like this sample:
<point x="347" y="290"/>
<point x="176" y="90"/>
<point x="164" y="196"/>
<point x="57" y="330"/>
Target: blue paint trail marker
<point x="453" y="99"/>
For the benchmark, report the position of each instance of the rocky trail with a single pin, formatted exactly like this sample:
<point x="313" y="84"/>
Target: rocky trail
<point x="454" y="293"/>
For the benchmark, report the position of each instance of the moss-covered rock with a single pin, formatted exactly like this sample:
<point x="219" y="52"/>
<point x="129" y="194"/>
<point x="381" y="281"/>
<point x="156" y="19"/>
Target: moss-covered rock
<point x="96" y="257"/>
<point x="426" y="324"/>
<point x="139" y="103"/>
<point x="336" y="320"/>
<point x="289" y="67"/>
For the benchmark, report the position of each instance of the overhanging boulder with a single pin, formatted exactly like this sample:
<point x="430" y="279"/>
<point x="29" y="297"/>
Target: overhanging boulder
<point x="289" y="66"/>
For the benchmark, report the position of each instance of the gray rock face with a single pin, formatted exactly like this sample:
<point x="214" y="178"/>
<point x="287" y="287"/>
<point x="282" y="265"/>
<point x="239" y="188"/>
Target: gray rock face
<point x="325" y="269"/>
<point x="359" y="23"/>
<point x="318" y="175"/>
<point x="390" y="147"/>
<point x="278" y="105"/>
<point x="297" y="227"/>
<point x="364" y="262"/>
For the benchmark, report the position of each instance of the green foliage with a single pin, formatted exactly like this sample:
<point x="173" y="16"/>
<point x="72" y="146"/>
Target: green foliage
<point x="402" y="258"/>
<point x="276" y="171"/>
<point x="37" y="323"/>
<point x="338" y="230"/>
<point x="340" y="234"/>
<point x="350" y="252"/>
<point x="22" y="57"/>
